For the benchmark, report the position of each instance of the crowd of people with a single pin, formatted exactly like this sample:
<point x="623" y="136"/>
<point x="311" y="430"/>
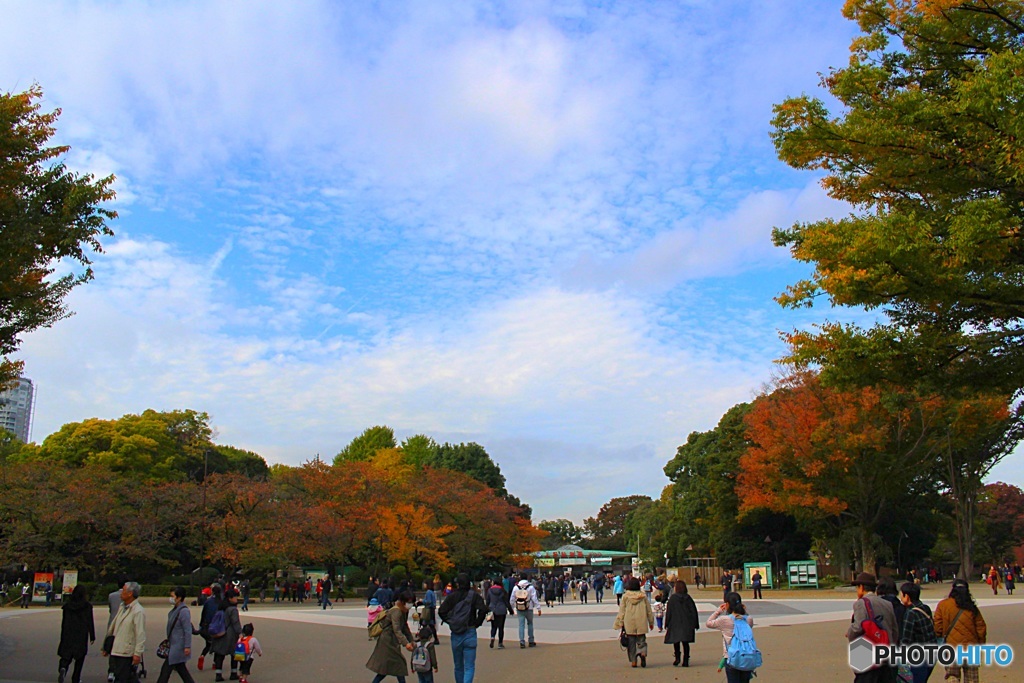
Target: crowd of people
<point x="644" y="603"/>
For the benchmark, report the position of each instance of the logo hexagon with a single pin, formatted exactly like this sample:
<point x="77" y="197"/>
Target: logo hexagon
<point x="862" y="655"/>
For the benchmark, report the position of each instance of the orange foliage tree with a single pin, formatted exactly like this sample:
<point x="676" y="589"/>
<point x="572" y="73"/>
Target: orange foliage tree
<point x="846" y="456"/>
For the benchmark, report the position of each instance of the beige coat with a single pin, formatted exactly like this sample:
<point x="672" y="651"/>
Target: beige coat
<point x="635" y="614"/>
<point x="129" y="630"/>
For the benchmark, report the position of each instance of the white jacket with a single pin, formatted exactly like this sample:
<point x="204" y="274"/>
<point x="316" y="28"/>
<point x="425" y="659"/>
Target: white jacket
<point x="129" y="631"/>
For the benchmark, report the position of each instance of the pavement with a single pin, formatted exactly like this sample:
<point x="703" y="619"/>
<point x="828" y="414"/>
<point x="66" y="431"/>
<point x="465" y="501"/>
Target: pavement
<point x="803" y="639"/>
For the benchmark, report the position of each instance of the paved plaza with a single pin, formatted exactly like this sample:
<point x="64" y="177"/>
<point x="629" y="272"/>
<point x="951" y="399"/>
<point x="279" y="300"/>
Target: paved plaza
<point x="802" y="640"/>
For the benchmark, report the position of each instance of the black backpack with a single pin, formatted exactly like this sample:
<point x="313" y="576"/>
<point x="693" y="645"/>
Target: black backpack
<point x="458" y="620"/>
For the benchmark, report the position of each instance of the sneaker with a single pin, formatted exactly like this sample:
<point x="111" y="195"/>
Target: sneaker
<point x="110" y="678"/>
<point x="501" y="646"/>
<point x="61" y="674"/>
<point x="522" y="646"/>
<point x="643" y="661"/>
<point x="200" y="662"/>
<point x="492" y="644"/>
<point x="533" y="644"/>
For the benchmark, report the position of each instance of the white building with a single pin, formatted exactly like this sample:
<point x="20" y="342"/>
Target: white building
<point x="16" y="407"/>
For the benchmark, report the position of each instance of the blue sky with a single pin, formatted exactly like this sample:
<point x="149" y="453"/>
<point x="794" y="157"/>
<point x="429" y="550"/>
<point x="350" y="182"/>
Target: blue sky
<point x="542" y="226"/>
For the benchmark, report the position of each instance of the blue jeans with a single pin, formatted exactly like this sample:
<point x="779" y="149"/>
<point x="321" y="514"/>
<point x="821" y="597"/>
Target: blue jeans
<point x="425" y="676"/>
<point x="464" y="654"/>
<point x="525" y="617"/>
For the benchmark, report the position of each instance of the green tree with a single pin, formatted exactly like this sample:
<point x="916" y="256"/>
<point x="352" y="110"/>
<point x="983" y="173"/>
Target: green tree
<point x="366" y="445"/>
<point x="419" y="449"/>
<point x="47" y="215"/>
<point x="472" y="459"/>
<point x="560" y="532"/>
<point x="928" y="148"/>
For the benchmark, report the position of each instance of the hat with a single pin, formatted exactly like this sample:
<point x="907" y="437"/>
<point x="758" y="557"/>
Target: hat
<point x="374" y="602"/>
<point x="864" y="579"/>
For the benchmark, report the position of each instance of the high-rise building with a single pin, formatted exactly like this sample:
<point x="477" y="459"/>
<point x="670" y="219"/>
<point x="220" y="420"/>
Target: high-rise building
<point x="16" y="406"/>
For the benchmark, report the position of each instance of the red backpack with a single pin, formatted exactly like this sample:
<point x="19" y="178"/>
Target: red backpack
<point x="873" y="631"/>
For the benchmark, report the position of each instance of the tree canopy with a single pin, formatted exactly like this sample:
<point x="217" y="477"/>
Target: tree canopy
<point x="928" y="149"/>
<point x="47" y="215"/>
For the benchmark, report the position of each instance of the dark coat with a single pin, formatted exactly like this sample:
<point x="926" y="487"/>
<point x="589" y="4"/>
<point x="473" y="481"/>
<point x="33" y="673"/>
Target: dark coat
<point x="681" y="619"/>
<point x="387" y="658"/>
<point x="225" y="645"/>
<point x="179" y="633"/>
<point x="76" y="629"/>
<point x="477" y="614"/>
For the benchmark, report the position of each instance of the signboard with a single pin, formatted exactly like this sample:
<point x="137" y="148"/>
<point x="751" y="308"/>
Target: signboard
<point x="39" y="585"/>
<point x="545" y="561"/>
<point x="70" y="581"/>
<point x="601" y="561"/>
<point x="571" y="561"/>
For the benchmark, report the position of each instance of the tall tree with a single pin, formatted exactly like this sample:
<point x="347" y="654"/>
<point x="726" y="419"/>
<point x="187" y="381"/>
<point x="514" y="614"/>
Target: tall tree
<point x="472" y="459"/>
<point x="928" y="149"/>
<point x="607" y="531"/>
<point x="979" y="433"/>
<point x="849" y="457"/>
<point x="367" y="444"/>
<point x="47" y="214"/>
<point x="560" y="532"/>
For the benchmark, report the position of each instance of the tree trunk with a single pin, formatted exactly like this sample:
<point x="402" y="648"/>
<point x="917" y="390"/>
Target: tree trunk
<point x="868" y="558"/>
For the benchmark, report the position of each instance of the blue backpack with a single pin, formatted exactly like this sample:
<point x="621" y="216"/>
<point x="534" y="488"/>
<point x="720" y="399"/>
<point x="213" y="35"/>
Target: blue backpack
<point x="743" y="652"/>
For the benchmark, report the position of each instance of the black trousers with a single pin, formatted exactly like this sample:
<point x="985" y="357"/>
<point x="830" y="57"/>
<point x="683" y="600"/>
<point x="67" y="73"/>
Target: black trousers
<point x="686" y="651"/>
<point x="65" y="662"/>
<point x="498" y="626"/>
<point x="218" y="663"/>
<point x="121" y="667"/>
<point x="180" y="669"/>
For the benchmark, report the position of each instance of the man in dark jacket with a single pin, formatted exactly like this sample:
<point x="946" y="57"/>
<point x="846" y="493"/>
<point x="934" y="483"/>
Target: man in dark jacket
<point x="464" y="611"/>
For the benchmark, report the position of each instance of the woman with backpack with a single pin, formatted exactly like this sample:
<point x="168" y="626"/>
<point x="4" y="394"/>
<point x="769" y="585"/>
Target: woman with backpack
<point x="958" y="619"/>
<point x="387" y="658"/>
<point x="725" y="619"/>
<point x="634" y="620"/>
<point x="224" y="644"/>
<point x="681" y="622"/>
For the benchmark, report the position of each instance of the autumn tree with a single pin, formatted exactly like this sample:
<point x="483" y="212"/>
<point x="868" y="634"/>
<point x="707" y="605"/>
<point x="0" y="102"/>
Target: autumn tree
<point x="47" y="215"/>
<point x="978" y="433"/>
<point x="607" y="530"/>
<point x="847" y="457"/>
<point x="1000" y="533"/>
<point x="927" y="147"/>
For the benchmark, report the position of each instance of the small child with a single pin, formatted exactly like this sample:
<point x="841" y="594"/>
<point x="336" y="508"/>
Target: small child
<point x="424" y="658"/>
<point x="659" y="612"/>
<point x="372" y="610"/>
<point x="252" y="647"/>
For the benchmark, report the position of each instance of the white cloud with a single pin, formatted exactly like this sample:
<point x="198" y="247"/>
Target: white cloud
<point x="582" y="371"/>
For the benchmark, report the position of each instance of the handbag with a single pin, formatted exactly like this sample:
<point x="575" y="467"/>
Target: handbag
<point x="623" y="638"/>
<point x="163" y="649"/>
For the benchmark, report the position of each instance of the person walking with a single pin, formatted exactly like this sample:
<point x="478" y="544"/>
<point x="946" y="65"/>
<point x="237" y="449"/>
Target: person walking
<point x="681" y="622"/>
<point x="584" y="588"/>
<point x="755" y="582"/>
<point x="618" y="588"/>
<point x="464" y="611"/>
<point x="635" y="619"/>
<point x="869" y="605"/>
<point x="724" y="619"/>
<point x="210" y="608"/>
<point x="524" y="602"/>
<point x="917" y="627"/>
<point x="599" y="587"/>
<point x="1010" y="579"/>
<point x="26" y="595"/>
<point x="224" y="646"/>
<point x="77" y="631"/>
<point x="429" y="615"/>
<point x="993" y="579"/>
<point x="128" y="629"/>
<point x="726" y="583"/>
<point x="497" y="605"/>
<point x="325" y="593"/>
<point x="179" y="639"/>
<point x="387" y="658"/>
<point x="958" y="619"/>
